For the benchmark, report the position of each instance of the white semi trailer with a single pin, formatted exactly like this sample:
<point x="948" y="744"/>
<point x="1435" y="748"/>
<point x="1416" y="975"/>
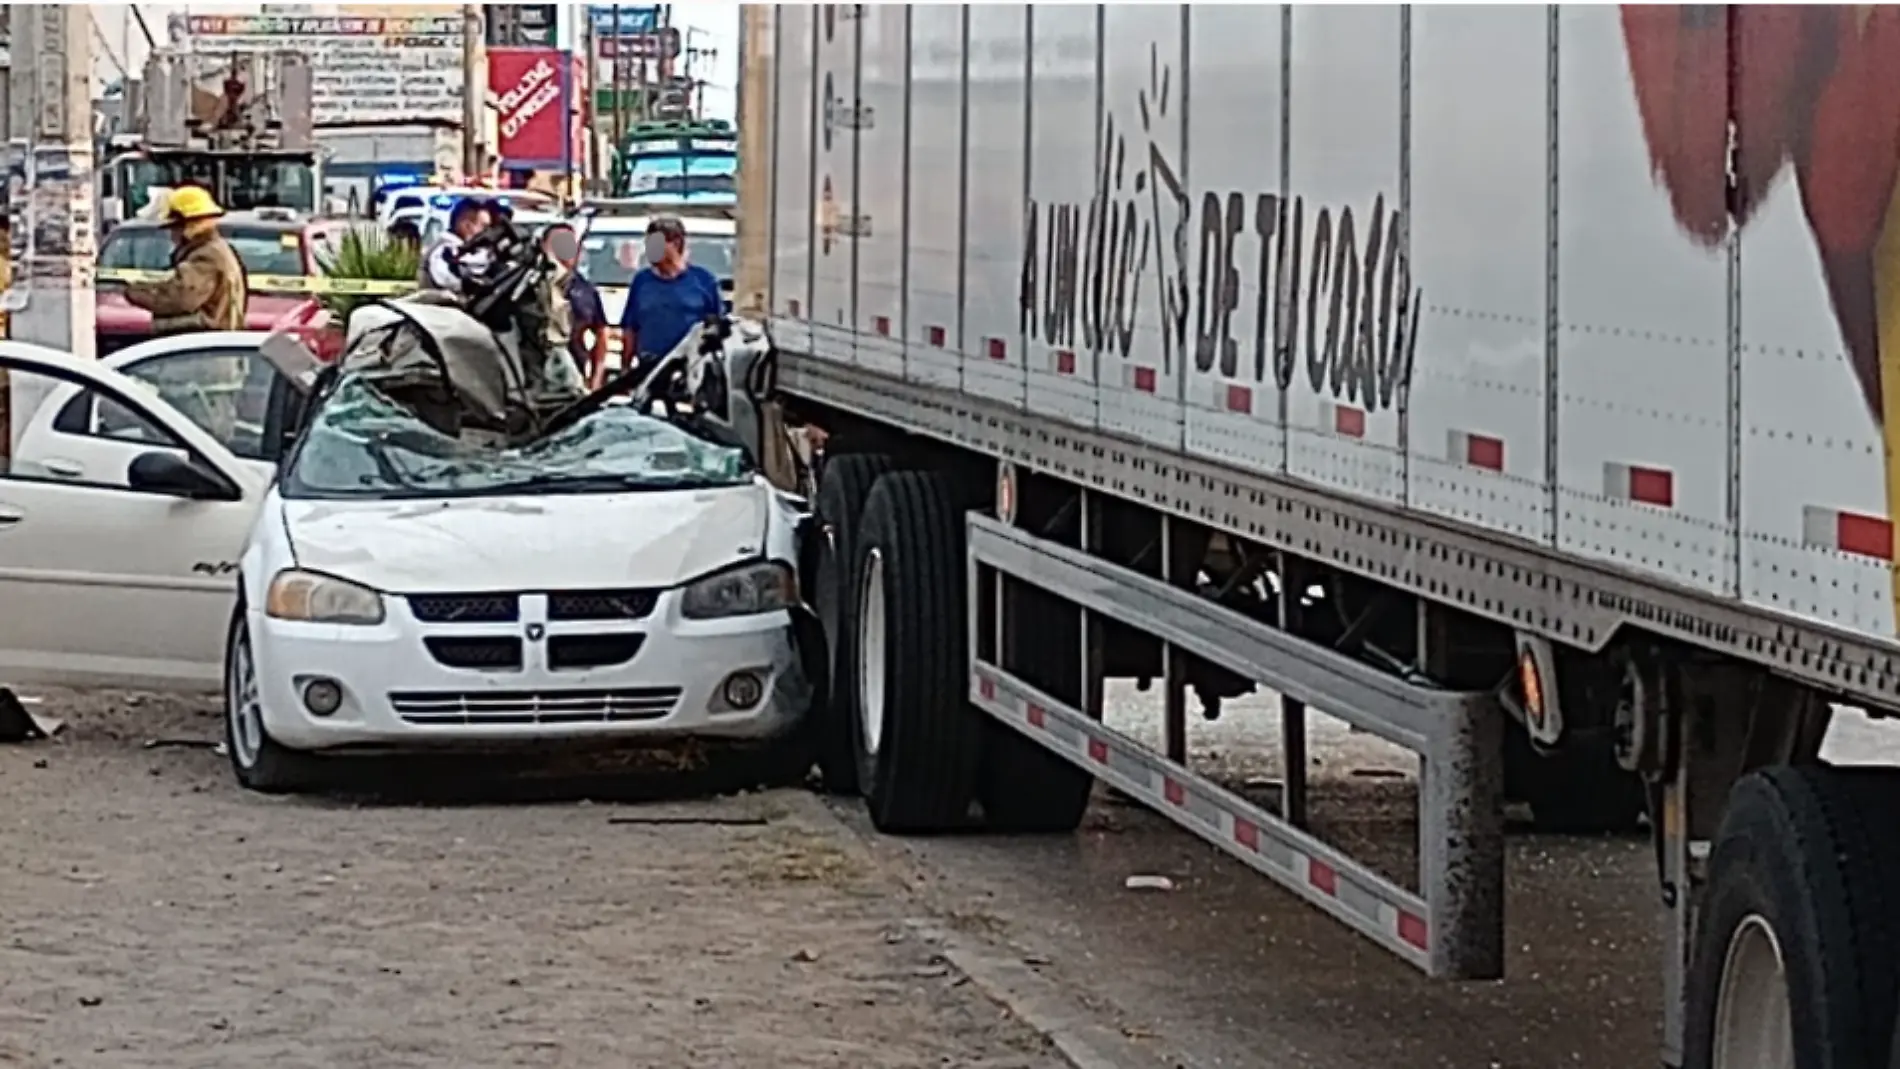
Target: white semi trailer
<point x="1520" y="384"/>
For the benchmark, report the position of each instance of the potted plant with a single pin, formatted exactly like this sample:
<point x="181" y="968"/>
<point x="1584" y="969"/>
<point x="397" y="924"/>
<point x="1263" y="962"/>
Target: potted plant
<point x="365" y="254"/>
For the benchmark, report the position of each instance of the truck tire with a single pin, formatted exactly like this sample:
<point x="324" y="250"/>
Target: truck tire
<point x="839" y="508"/>
<point x="917" y="738"/>
<point x="1577" y="790"/>
<point x="1025" y="788"/>
<point x="1798" y="925"/>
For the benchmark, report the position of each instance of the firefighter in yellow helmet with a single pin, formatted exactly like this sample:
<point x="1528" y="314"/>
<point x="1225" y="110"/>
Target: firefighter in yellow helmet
<point x="207" y="287"/>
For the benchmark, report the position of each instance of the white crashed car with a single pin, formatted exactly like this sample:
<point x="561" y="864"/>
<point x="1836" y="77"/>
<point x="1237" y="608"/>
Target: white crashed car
<point x="620" y="579"/>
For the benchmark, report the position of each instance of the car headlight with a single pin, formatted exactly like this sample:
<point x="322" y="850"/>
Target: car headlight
<point x="321" y="599"/>
<point x="763" y="586"/>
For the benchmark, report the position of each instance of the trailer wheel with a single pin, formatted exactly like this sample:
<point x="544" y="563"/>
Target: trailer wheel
<point x="1578" y="790"/>
<point x="1024" y="787"/>
<point x="917" y="738"/>
<point x="845" y="483"/>
<point x="1795" y="952"/>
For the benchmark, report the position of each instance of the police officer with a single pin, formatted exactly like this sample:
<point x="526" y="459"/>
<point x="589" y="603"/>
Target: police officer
<point x="468" y="218"/>
<point x="207" y="289"/>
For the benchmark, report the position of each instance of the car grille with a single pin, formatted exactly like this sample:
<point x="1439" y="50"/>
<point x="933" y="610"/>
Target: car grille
<point x="465" y="608"/>
<point x="601" y="604"/>
<point x="461" y="708"/>
<point x="491" y="653"/>
<point x="592" y="651"/>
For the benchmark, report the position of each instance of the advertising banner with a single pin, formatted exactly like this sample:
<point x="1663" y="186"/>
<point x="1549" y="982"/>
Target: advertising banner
<point x="363" y="69"/>
<point x="531" y="88"/>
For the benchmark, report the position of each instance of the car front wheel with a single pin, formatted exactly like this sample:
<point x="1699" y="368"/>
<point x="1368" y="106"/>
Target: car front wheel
<point x="259" y="761"/>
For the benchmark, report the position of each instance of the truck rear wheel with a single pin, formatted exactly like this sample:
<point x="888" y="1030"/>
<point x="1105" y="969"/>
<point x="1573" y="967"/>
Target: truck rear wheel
<point x="839" y="510"/>
<point x="917" y="738"/>
<point x="1796" y="946"/>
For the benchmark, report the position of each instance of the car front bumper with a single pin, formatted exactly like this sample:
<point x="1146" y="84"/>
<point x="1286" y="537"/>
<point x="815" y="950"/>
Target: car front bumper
<point x="397" y="694"/>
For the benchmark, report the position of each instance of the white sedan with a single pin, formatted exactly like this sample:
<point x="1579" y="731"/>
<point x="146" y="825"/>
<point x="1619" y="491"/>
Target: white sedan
<point x="395" y="592"/>
<point x="401" y="590"/>
<point x="121" y="517"/>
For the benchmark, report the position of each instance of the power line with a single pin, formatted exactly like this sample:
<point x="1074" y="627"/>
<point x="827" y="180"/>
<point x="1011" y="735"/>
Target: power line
<point x="111" y="54"/>
<point x="150" y="41"/>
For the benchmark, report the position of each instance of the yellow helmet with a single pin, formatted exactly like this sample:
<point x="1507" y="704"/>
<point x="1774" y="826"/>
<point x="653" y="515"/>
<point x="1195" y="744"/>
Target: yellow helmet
<point x="190" y="202"/>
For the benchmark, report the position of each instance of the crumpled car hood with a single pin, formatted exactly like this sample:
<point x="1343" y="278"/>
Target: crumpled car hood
<point x="655" y="538"/>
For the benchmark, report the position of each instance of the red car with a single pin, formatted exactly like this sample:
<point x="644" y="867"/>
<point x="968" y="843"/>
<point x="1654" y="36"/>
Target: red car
<point x="270" y="243"/>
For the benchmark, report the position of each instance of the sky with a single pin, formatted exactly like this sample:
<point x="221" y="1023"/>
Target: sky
<point x="711" y="24"/>
<point x="707" y="24"/>
<point x="117" y="42"/>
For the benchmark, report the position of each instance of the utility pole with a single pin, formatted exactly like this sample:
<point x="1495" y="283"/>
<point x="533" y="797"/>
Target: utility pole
<point x="665" y="63"/>
<point x="589" y="68"/>
<point x="694" y="85"/>
<point x="658" y="59"/>
<point x="474" y="93"/>
<point x="6" y="235"/>
<point x="618" y="42"/>
<point x="753" y="112"/>
<point x="49" y="127"/>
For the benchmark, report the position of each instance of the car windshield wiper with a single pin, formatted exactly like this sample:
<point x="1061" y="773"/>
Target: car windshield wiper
<point x="563" y="483"/>
<point x="629" y="483"/>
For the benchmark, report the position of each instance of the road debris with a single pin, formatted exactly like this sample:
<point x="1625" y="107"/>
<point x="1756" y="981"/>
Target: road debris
<point x="681" y="821"/>
<point x="1148" y="883"/>
<point x="20" y="724"/>
<point x="181" y="744"/>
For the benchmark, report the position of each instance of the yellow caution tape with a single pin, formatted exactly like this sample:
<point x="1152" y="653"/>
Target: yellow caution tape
<point x="320" y="284"/>
<point x="316" y="284"/>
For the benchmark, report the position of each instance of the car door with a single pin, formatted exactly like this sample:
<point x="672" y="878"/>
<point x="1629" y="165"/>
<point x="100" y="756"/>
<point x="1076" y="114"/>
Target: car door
<point x="104" y="579"/>
<point x="217" y="380"/>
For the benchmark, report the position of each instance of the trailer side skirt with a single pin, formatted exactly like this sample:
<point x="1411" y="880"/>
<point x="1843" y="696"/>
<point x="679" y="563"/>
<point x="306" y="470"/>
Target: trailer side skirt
<point x="1452" y="929"/>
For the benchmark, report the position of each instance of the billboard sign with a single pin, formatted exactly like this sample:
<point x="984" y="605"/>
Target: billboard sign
<point x="531" y="90"/>
<point x="632" y="21"/>
<point x="363" y="69"/>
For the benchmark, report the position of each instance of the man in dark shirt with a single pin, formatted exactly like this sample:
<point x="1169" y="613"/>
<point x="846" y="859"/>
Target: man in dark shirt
<point x="667" y="298"/>
<point x="587" y="329"/>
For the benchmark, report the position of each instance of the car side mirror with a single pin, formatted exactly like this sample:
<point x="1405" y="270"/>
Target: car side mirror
<point x="160" y="472"/>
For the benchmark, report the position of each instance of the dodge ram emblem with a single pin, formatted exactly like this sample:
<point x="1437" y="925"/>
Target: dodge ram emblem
<point x="536" y="632"/>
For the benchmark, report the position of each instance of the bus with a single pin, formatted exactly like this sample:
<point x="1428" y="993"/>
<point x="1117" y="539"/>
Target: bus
<point x="698" y="159"/>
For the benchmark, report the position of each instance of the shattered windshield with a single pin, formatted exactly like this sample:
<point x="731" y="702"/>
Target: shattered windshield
<point x="362" y="444"/>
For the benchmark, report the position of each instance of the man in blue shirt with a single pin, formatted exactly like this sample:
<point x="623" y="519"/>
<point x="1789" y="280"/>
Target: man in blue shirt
<point x="668" y="297"/>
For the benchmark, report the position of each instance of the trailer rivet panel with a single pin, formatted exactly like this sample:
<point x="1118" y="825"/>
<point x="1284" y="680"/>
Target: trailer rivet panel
<point x="1847" y="532"/>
